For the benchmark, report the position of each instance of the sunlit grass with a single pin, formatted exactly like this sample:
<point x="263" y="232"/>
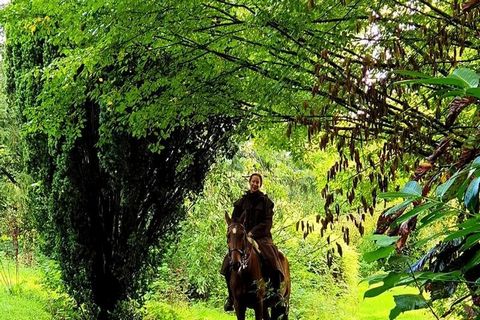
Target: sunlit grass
<point x="28" y="299"/>
<point x="22" y="298"/>
<point x="378" y="308"/>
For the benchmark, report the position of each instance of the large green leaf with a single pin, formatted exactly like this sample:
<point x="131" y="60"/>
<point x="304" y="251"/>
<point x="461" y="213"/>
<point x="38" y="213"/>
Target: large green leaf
<point x="434" y="216"/>
<point x="471" y="195"/>
<point x="473" y="92"/>
<point x="440" y="81"/>
<point x="382" y="252"/>
<point x="415" y="211"/>
<point x="389" y="281"/>
<point x="422" y="277"/>
<point x="396" y="195"/>
<point x="445" y="190"/>
<point x="407" y="302"/>
<point x="382" y="240"/>
<point x="473" y="221"/>
<point x="471" y="241"/>
<point x="462" y="232"/>
<point x="398" y="207"/>
<point x="473" y="262"/>
<point x="470" y="77"/>
<point x="413" y="188"/>
<point x="476" y="163"/>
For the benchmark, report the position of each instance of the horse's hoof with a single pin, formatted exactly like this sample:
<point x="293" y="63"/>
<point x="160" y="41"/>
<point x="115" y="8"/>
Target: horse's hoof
<point x="228" y="306"/>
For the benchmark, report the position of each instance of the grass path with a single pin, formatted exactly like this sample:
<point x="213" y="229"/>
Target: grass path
<point x="30" y="301"/>
<point x="377" y="308"/>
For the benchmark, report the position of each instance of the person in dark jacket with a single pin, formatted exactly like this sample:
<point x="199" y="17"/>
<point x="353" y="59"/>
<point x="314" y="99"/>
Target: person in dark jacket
<point x="258" y="209"/>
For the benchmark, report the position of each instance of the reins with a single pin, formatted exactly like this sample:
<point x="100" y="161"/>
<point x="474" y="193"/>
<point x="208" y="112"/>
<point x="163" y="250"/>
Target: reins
<point x="245" y="252"/>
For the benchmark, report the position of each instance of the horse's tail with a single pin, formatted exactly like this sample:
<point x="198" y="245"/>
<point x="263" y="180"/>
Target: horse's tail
<point x="287" y="281"/>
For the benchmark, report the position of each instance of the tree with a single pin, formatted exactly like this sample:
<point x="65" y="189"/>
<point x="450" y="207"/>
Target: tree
<point x="117" y="135"/>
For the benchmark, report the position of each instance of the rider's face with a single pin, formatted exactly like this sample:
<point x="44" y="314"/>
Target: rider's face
<point x="255" y="183"/>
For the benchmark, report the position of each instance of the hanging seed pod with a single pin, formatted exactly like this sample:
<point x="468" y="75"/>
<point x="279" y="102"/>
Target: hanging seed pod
<point x="361" y="229"/>
<point x="339" y="249"/>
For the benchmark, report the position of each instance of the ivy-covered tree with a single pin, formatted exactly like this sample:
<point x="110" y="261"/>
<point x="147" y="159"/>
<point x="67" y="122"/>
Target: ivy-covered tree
<point x="119" y="132"/>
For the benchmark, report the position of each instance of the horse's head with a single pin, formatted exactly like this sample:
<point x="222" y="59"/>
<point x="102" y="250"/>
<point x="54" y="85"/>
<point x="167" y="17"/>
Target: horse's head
<point x="236" y="240"/>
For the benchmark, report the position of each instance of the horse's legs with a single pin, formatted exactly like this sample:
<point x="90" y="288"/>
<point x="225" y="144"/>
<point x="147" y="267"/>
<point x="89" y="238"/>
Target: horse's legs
<point x="259" y="311"/>
<point x="240" y="311"/>
<point x="266" y="315"/>
<point x="279" y="312"/>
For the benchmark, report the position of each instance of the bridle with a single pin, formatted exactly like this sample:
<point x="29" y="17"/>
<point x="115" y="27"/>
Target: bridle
<point x="244" y="255"/>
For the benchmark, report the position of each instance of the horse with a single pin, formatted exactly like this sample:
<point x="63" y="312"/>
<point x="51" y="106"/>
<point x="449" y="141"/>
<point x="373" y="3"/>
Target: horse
<point x="247" y="283"/>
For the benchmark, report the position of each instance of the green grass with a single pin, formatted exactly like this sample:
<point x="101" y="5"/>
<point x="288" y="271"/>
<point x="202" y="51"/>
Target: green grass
<point x="183" y="311"/>
<point x="30" y="300"/>
<point x="23" y="299"/>
<point x="378" y="308"/>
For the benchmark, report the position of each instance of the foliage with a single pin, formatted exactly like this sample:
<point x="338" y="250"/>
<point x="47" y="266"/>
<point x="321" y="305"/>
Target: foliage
<point x="125" y="106"/>
<point x="452" y="250"/>
<point x="112" y="145"/>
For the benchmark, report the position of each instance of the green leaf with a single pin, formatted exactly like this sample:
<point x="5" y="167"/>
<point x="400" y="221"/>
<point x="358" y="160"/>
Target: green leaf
<point x="475" y="220"/>
<point x="440" y="81"/>
<point x="444" y="187"/>
<point x="414" y="212"/>
<point x="452" y="186"/>
<point x="470" y="77"/>
<point x="434" y="215"/>
<point x="471" y="195"/>
<point x="389" y="281"/>
<point x="475" y="163"/>
<point x="471" y="241"/>
<point x="398" y="207"/>
<point x="437" y="276"/>
<point x="407" y="302"/>
<point x="462" y="232"/>
<point x="395" y="195"/>
<point x="380" y="253"/>
<point x="473" y="92"/>
<point x="413" y="188"/>
<point x="473" y="262"/>
<point x="449" y="93"/>
<point x="382" y="240"/>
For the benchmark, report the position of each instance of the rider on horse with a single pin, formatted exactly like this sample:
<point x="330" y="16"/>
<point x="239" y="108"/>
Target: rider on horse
<point x="258" y="211"/>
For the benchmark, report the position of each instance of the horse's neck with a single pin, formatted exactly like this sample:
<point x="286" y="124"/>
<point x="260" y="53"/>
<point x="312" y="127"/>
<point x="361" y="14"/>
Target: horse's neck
<point x="251" y="260"/>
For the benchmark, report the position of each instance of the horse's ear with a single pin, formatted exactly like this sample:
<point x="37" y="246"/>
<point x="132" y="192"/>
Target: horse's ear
<point x="227" y="218"/>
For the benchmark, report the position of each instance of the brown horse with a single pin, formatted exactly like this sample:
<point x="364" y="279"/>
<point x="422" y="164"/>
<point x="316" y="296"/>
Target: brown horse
<point x="246" y="280"/>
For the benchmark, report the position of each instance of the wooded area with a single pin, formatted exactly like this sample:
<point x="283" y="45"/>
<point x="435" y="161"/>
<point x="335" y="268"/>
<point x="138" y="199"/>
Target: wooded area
<point x="129" y="128"/>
